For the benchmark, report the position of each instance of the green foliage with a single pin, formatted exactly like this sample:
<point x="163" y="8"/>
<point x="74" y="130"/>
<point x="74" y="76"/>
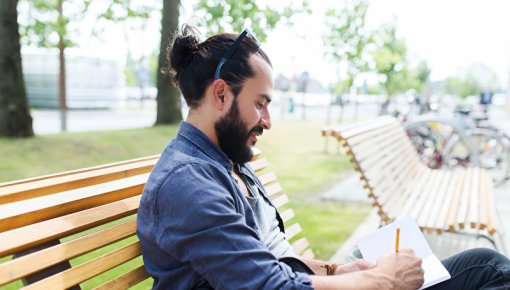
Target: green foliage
<point x="41" y="24"/>
<point x="234" y="15"/>
<point x="389" y="56"/>
<point x="471" y="81"/>
<point x="348" y="38"/>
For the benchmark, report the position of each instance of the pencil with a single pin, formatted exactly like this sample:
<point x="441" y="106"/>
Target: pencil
<point x="397" y="240"/>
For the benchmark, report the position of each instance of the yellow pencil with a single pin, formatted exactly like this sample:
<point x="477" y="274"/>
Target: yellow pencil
<point x="397" y="240"/>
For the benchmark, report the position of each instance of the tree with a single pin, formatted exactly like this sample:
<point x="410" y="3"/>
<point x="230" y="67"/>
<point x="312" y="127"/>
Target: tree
<point x="47" y="25"/>
<point x="347" y="40"/>
<point x="217" y="15"/>
<point x="472" y="81"/>
<point x="389" y="56"/>
<point x="168" y="98"/>
<point x="15" y="119"/>
<point x="221" y="15"/>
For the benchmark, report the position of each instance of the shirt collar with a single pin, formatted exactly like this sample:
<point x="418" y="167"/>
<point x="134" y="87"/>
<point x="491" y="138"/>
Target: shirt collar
<point x="204" y="144"/>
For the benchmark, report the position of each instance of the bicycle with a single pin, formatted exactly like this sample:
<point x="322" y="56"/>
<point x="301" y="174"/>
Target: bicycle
<point x="452" y="142"/>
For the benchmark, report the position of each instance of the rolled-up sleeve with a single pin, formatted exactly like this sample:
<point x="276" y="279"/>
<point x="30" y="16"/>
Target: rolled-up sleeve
<point x="198" y="224"/>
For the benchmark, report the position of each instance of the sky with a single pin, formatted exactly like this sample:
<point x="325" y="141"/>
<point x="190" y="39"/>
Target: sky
<point x="448" y="34"/>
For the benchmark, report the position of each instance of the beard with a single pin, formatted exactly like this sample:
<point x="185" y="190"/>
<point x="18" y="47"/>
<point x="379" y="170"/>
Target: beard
<point x="233" y="135"/>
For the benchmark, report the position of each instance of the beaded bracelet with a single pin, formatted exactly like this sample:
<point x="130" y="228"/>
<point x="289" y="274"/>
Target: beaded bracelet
<point x="330" y="268"/>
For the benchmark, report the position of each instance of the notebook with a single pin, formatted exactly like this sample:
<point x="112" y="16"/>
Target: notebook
<point x="382" y="243"/>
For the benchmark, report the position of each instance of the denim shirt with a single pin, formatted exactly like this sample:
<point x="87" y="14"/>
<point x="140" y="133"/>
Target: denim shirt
<point x="196" y="228"/>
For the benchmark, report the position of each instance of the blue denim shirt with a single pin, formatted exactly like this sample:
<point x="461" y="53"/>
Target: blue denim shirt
<point x="196" y="228"/>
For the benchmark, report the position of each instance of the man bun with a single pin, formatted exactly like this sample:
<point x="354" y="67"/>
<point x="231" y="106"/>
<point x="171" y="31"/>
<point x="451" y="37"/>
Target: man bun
<point x="180" y="55"/>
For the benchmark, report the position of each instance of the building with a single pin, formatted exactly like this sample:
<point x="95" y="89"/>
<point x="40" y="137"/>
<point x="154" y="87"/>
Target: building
<point x="91" y="82"/>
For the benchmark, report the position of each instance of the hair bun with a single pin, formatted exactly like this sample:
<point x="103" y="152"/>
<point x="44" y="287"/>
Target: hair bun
<point x="183" y="48"/>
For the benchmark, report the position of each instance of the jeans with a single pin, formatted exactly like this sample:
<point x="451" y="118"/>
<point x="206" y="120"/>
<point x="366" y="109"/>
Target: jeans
<point x="477" y="269"/>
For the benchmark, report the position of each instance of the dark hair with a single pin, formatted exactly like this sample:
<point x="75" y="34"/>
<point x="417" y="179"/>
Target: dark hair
<point x="192" y="63"/>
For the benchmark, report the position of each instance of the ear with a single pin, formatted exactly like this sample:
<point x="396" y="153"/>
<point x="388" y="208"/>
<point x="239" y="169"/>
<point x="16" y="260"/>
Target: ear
<point x="220" y="88"/>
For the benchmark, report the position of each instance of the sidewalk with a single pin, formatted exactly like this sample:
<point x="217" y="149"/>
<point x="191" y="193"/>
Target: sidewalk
<point x="350" y="191"/>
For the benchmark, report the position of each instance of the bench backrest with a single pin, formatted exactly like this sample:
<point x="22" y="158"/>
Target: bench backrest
<point x="399" y="184"/>
<point x="88" y="217"/>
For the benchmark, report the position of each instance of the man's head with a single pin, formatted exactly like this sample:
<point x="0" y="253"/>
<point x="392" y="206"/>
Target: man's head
<point x="227" y="82"/>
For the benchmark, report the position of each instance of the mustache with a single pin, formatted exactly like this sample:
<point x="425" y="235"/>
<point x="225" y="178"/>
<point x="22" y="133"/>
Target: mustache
<point x="257" y="129"/>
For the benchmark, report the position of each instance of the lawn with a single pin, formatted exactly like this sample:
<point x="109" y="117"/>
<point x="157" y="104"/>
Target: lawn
<point x="295" y="149"/>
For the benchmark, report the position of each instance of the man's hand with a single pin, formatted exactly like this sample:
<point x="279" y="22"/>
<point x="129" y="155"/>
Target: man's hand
<point x="403" y="269"/>
<point x="353" y="266"/>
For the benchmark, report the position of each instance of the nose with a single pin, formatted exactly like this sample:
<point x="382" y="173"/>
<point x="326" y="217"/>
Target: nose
<point x="265" y="120"/>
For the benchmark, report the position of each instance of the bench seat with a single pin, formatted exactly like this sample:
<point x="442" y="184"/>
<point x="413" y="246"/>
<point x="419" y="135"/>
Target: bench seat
<point x="71" y="229"/>
<point x="400" y="185"/>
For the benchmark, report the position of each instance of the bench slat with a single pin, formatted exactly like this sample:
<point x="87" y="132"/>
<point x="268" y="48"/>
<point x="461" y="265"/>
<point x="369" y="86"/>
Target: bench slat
<point x="300" y="246"/>
<point x="259" y="164"/>
<point x="46" y="186"/>
<point x="29" y="264"/>
<point x="280" y="200"/>
<point x="273" y="189"/>
<point x="287" y="215"/>
<point x="87" y="270"/>
<point x="292" y="231"/>
<point x="126" y="280"/>
<point x="23" y="238"/>
<point x="267" y="178"/>
<point x="22" y="213"/>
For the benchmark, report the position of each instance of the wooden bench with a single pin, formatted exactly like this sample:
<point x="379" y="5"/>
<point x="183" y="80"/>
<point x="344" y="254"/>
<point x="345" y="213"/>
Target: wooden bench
<point x="73" y="228"/>
<point x="400" y="185"/>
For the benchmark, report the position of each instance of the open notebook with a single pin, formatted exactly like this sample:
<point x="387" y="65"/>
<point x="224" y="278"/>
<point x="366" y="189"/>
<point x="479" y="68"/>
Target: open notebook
<point x="382" y="243"/>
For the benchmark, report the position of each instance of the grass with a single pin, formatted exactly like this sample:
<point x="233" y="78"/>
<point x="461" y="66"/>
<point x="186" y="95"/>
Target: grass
<point x="295" y="150"/>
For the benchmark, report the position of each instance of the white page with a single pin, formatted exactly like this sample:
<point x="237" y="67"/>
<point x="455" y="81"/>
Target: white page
<point x="382" y="243"/>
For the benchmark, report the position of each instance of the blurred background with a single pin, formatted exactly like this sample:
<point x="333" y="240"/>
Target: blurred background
<point x="80" y="84"/>
<point x="90" y="55"/>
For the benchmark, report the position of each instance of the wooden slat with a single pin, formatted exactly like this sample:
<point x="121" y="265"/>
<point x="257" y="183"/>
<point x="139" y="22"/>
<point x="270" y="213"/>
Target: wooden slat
<point x="473" y="199"/>
<point x="259" y="164"/>
<point x="280" y="200"/>
<point x="364" y="126"/>
<point x="300" y="246"/>
<point x="87" y="270"/>
<point x="267" y="178"/>
<point x="483" y="204"/>
<point x="454" y="209"/>
<point x="491" y="224"/>
<point x="308" y="254"/>
<point x="26" y="265"/>
<point x="287" y="215"/>
<point x="440" y="224"/>
<point x="379" y="135"/>
<point x="415" y="195"/>
<point x="125" y="281"/>
<point x="462" y="214"/>
<point x="273" y="189"/>
<point x="437" y="201"/>
<point x="292" y="231"/>
<point x="26" y="237"/>
<point x="46" y="186"/>
<point x="431" y="196"/>
<point x="81" y="170"/>
<point x="26" y="212"/>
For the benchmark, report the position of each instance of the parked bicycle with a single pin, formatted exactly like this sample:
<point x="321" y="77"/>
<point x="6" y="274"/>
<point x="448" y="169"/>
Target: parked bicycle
<point x="445" y="142"/>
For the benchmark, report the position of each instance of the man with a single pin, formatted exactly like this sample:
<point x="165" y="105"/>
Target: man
<point x="204" y="219"/>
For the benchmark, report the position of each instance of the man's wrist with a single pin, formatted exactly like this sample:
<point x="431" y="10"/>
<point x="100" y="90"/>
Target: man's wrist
<point x="330" y="268"/>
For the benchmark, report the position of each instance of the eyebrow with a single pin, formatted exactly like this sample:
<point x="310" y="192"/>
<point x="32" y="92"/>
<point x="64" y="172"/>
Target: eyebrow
<point x="267" y="97"/>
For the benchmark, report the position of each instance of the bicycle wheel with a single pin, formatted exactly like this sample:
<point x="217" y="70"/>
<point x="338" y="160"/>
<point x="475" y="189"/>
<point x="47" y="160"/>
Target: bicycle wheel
<point x="492" y="154"/>
<point x="427" y="143"/>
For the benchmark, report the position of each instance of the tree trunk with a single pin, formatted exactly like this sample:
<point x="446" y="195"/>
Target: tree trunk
<point x="168" y="98"/>
<point x="15" y="119"/>
<point x="62" y="104"/>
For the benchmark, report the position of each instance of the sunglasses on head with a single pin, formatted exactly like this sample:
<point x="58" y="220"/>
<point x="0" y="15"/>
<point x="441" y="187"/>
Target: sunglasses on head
<point x="232" y="49"/>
